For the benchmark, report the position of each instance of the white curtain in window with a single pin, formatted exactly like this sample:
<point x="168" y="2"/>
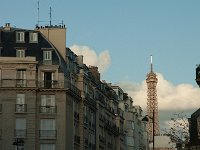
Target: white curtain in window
<point x="47" y="100"/>
<point x="21" y="74"/>
<point x="47" y="146"/>
<point x="47" y="124"/>
<point x="20" y="99"/>
<point x="20" y="124"/>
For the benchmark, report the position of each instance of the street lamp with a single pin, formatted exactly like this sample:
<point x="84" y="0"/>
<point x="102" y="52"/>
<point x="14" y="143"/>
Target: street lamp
<point x="18" y="142"/>
<point x="146" y="119"/>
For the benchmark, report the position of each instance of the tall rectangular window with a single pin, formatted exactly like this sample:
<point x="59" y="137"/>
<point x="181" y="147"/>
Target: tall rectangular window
<point x="48" y="104"/>
<point x="21" y="78"/>
<point x="33" y="37"/>
<point x="20" y="127"/>
<point x="130" y="124"/>
<point x="47" y="146"/>
<point x="20" y="103"/>
<point x="1" y="51"/>
<point x="47" y="55"/>
<point x="48" y="100"/>
<point x="47" y="129"/>
<point x="20" y="53"/>
<point x="130" y="141"/>
<point x="20" y="37"/>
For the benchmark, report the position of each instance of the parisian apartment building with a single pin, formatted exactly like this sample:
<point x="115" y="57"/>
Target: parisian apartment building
<point x="51" y="100"/>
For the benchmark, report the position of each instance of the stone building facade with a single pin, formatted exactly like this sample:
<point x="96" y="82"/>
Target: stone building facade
<point x="49" y="99"/>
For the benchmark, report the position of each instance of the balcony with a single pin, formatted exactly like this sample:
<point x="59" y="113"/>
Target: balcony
<point x="20" y="108"/>
<point x="17" y="83"/>
<point x="50" y="84"/>
<point x="111" y="127"/>
<point x="47" y="134"/>
<point x="77" y="139"/>
<point x="102" y="139"/>
<point x="48" y="109"/>
<point x="20" y="133"/>
<point x="110" y="145"/>
<point x="90" y="99"/>
<point x="55" y="84"/>
<point x="76" y="116"/>
<point x="73" y="88"/>
<point x="86" y="120"/>
<point x="0" y="133"/>
<point x="20" y="82"/>
<point x="86" y="142"/>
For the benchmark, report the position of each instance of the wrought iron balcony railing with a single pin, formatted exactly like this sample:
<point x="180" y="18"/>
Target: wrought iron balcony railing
<point x="77" y="139"/>
<point x="20" y="108"/>
<point x="76" y="116"/>
<point x="47" y="134"/>
<point x="19" y="83"/>
<point x="48" y="109"/>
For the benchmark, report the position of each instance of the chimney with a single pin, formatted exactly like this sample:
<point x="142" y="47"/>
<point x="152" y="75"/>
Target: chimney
<point x="7" y="26"/>
<point x="95" y="72"/>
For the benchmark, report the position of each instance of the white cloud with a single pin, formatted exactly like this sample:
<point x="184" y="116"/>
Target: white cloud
<point x="170" y="97"/>
<point x="90" y="58"/>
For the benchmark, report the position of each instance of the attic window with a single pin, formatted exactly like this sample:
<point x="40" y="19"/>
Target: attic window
<point x="33" y="37"/>
<point x="19" y="37"/>
<point x="47" y="55"/>
<point x="20" y="52"/>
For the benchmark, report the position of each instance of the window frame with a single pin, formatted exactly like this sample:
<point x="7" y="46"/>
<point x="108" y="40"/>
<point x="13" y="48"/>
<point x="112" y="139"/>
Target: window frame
<point x="20" y="36"/>
<point x="33" y="37"/>
<point x="47" y="55"/>
<point x="48" y="100"/>
<point x="20" y="53"/>
<point x="46" y="146"/>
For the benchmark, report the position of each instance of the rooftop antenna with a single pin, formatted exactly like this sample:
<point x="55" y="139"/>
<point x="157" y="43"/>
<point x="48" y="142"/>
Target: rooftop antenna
<point x="50" y="17"/>
<point x="151" y="63"/>
<point x="38" y="15"/>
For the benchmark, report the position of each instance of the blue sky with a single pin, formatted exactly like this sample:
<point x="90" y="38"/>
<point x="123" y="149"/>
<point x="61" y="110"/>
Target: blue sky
<point x="130" y="31"/>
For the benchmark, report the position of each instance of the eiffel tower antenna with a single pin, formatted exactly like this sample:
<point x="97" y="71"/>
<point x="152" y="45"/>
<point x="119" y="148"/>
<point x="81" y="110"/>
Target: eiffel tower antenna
<point x="151" y="63"/>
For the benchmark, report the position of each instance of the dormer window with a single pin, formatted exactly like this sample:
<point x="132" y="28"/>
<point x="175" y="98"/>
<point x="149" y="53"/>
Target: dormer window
<point x="47" y="55"/>
<point x="19" y="37"/>
<point x="20" y="52"/>
<point x="33" y="37"/>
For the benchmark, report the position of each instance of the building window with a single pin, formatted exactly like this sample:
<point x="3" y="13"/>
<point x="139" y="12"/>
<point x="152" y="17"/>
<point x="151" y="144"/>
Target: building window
<point x="49" y="80"/>
<point x="47" y="146"/>
<point x="130" y="141"/>
<point x="20" y="53"/>
<point x="19" y="37"/>
<point x="33" y="37"/>
<point x="130" y="124"/>
<point x="21" y="78"/>
<point x="47" y="129"/>
<point x="48" y="104"/>
<point x="20" y="103"/>
<point x="20" y="127"/>
<point x="47" y="55"/>
<point x="85" y="87"/>
<point x="1" y="51"/>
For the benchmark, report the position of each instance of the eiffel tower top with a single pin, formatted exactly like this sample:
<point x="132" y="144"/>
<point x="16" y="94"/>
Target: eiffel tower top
<point x="151" y="63"/>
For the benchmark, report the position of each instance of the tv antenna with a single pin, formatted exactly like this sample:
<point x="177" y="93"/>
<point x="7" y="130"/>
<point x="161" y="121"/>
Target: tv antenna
<point x="50" y="17"/>
<point x="38" y="15"/>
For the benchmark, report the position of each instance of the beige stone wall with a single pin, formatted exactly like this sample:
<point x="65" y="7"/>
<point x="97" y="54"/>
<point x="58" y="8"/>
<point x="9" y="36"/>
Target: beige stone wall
<point x="57" y="36"/>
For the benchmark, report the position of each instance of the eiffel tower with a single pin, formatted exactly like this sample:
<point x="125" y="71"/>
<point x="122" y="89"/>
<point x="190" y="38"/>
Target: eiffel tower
<point x="152" y="103"/>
